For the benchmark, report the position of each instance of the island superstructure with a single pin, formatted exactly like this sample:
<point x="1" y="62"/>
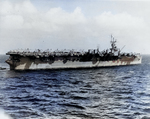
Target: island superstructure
<point x="33" y="60"/>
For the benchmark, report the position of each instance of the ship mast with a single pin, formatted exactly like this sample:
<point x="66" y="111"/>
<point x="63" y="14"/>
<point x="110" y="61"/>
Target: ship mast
<point x="113" y="48"/>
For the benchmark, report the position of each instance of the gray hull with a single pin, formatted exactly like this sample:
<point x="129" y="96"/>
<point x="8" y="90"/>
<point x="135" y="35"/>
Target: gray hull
<point x="32" y="60"/>
<point x="28" y="64"/>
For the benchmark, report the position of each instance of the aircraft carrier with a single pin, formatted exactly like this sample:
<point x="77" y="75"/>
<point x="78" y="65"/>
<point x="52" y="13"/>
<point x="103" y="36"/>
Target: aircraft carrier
<point x="33" y="60"/>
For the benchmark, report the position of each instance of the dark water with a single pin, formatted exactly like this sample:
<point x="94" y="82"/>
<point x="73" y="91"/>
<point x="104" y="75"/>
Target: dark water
<point x="104" y="93"/>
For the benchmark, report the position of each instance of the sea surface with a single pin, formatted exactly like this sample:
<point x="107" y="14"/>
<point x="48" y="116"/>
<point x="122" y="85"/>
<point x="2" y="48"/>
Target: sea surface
<point x="102" y="93"/>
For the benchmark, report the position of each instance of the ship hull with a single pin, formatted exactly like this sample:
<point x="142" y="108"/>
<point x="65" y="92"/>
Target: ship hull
<point x="63" y="59"/>
<point x="28" y="64"/>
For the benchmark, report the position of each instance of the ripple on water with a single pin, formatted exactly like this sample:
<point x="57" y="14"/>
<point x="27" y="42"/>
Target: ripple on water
<point x="118" y="92"/>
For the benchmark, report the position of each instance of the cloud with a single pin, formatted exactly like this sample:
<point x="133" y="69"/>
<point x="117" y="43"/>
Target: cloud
<point x="122" y="20"/>
<point x="23" y="26"/>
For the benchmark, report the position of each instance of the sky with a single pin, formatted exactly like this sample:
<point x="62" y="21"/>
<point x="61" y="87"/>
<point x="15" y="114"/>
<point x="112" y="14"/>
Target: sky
<point x="74" y="24"/>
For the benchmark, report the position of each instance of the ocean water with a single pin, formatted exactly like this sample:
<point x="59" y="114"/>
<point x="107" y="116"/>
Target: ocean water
<point x="102" y="93"/>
